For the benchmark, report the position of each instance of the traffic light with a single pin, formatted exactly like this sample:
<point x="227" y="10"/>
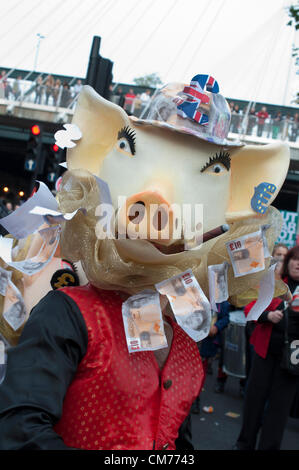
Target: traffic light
<point x="99" y="71"/>
<point x="55" y="155"/>
<point x="35" y="130"/>
<point x="34" y="149"/>
<point x="104" y="77"/>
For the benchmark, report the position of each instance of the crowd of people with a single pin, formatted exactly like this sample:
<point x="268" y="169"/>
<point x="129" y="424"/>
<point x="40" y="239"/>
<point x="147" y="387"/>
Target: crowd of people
<point x="53" y="92"/>
<point x="271" y="390"/>
<point x="259" y="122"/>
<point x="10" y="205"/>
<point x="271" y="394"/>
<point x="133" y="103"/>
<point x="264" y="124"/>
<point x="45" y="90"/>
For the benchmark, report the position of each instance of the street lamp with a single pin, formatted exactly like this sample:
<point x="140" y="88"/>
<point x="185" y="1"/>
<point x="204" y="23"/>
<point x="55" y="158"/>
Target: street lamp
<point x="40" y="37"/>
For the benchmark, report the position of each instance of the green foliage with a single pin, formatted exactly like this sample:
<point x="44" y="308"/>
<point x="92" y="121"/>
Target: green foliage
<point x="151" y="80"/>
<point x="297" y="99"/>
<point x="294" y="15"/>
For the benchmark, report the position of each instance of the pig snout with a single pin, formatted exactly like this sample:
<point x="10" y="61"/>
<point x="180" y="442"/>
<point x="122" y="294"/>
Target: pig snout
<point x="147" y="215"/>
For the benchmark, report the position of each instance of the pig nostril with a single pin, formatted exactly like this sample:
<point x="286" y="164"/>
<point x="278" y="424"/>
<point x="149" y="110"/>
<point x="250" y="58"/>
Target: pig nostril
<point x="136" y="212"/>
<point x="160" y="219"/>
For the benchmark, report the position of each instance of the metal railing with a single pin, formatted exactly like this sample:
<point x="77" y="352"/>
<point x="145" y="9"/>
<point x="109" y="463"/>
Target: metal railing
<point x="280" y="126"/>
<point x="60" y="95"/>
<point x="283" y="128"/>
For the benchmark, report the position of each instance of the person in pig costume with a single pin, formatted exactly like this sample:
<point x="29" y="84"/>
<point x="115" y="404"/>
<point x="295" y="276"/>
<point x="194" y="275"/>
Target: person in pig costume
<point x="71" y="382"/>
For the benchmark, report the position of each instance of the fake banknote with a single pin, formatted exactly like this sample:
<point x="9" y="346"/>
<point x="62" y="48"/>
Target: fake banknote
<point x="143" y="322"/>
<point x="218" y="286"/>
<point x="189" y="304"/>
<point x="247" y="254"/>
<point x="14" y="311"/>
<point x="50" y="239"/>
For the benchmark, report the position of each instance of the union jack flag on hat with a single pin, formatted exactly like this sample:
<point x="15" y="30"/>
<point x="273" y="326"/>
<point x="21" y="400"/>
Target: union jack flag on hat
<point x="188" y="108"/>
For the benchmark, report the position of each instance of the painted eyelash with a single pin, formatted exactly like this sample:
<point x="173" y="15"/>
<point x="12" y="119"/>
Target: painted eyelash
<point x="130" y="135"/>
<point x="221" y="157"/>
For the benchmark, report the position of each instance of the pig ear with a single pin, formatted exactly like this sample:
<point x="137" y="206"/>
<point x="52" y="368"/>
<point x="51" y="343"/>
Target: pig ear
<point x="99" y="121"/>
<point x="251" y="166"/>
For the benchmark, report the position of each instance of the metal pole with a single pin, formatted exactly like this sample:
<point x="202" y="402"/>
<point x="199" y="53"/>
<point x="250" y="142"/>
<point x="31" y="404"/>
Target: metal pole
<point x="91" y="75"/>
<point x="40" y="37"/>
<point x="287" y="83"/>
<point x="37" y="161"/>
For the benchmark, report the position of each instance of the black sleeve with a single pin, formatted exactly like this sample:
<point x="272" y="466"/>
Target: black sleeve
<point x="184" y="439"/>
<point x="293" y="324"/>
<point x="263" y="318"/>
<point x="39" y="371"/>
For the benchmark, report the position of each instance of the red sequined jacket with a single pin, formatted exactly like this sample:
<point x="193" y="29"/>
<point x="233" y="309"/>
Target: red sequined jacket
<point x="124" y="401"/>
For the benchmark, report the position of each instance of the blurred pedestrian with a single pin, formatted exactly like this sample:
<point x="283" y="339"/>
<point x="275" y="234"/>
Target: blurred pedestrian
<point x="56" y="91"/>
<point x="251" y="120"/>
<point x="294" y="128"/>
<point x="120" y="99"/>
<point x="262" y="115"/>
<point x="110" y="94"/>
<point x="16" y="88"/>
<point x="3" y="213"/>
<point x="279" y="253"/>
<point x="39" y="87"/>
<point x="268" y="381"/>
<point x="77" y="88"/>
<point x="137" y="105"/>
<point x="66" y="96"/>
<point x="145" y="100"/>
<point x="2" y="84"/>
<point x="235" y="119"/>
<point x="9" y="207"/>
<point x="7" y="89"/>
<point x="276" y="125"/>
<point x="286" y="127"/>
<point x="129" y="100"/>
<point x="145" y="97"/>
<point x="49" y="87"/>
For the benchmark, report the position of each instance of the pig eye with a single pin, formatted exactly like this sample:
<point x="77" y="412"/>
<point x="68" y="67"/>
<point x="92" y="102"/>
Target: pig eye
<point x="126" y="141"/>
<point x="219" y="163"/>
<point x="216" y="168"/>
<point x="123" y="145"/>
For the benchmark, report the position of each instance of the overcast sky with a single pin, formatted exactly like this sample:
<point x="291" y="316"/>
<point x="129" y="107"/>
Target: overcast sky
<point x="245" y="44"/>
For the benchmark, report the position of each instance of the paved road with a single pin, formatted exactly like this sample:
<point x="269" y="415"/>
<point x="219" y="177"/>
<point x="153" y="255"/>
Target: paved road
<point x="216" y="431"/>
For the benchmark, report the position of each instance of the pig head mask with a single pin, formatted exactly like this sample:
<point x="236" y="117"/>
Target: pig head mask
<point x="166" y="162"/>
